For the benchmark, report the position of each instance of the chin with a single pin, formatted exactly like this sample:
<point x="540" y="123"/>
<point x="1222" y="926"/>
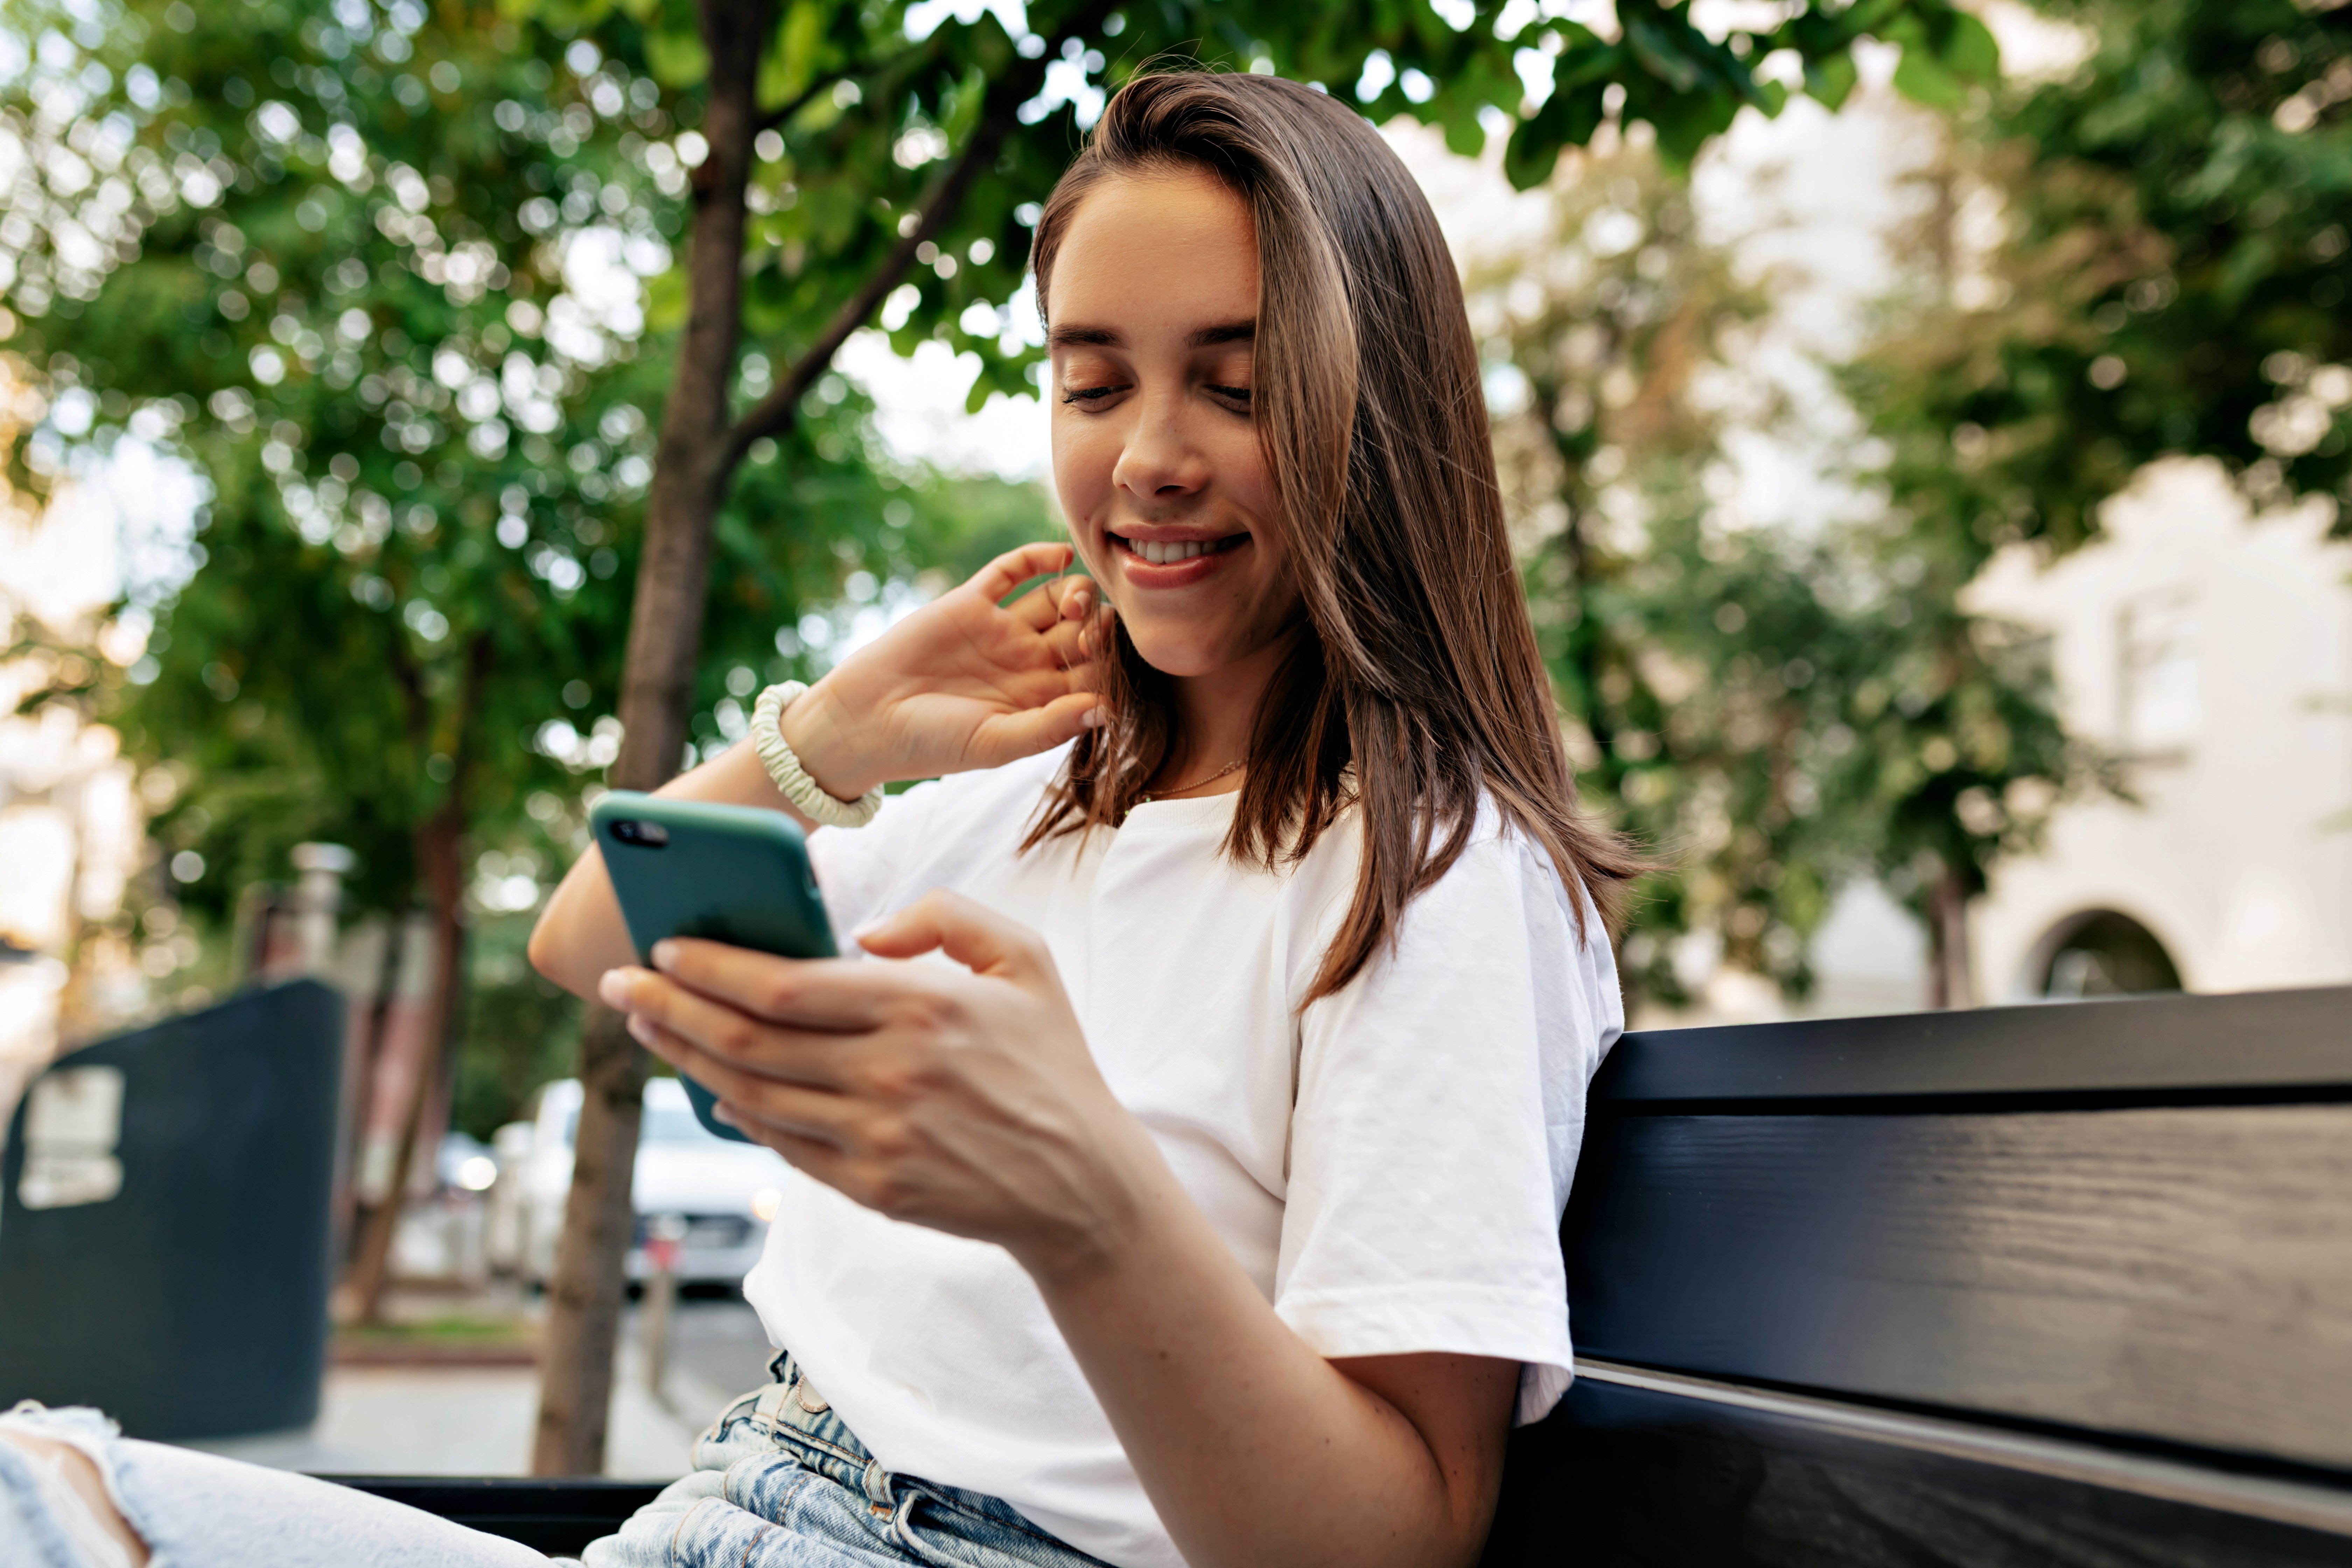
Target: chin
<point x="1177" y="656"/>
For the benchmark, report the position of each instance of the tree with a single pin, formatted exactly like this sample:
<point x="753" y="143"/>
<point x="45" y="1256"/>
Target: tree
<point x="359" y="301"/>
<point x="2168" y="276"/>
<point x="1775" y="710"/>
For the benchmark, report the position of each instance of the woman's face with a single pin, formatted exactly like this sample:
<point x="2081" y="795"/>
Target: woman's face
<point x="1154" y="316"/>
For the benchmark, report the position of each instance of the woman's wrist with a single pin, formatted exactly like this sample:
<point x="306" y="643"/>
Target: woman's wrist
<point x="824" y="739"/>
<point x="1125" y="1207"/>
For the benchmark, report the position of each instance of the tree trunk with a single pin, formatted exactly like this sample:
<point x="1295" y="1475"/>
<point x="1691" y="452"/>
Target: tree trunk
<point x="440" y="857"/>
<point x="583" y="1299"/>
<point x="697" y="452"/>
<point x="1949" y="980"/>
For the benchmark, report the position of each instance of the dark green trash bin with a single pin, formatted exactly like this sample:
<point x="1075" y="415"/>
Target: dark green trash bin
<point x="163" y="1221"/>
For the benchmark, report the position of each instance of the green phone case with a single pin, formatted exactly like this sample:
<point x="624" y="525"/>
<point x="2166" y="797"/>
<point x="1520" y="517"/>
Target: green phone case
<point x="730" y="873"/>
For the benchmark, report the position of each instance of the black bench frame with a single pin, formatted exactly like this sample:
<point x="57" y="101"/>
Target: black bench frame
<point x="1743" y="1187"/>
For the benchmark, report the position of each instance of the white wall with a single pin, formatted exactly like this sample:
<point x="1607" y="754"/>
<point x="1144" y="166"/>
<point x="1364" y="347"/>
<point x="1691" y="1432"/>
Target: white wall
<point x="2239" y="856"/>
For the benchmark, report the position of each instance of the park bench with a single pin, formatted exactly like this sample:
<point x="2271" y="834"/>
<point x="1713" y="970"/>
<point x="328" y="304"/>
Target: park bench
<point x="2064" y="1284"/>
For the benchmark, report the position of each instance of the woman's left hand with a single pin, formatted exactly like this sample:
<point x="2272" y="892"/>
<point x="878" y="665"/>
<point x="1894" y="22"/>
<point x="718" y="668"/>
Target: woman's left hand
<point x="962" y="1099"/>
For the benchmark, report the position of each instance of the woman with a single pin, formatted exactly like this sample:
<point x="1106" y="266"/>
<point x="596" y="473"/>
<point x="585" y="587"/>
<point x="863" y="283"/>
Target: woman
<point x="1193" y="1198"/>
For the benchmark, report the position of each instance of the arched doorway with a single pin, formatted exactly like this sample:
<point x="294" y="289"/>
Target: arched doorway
<point x="2101" y="953"/>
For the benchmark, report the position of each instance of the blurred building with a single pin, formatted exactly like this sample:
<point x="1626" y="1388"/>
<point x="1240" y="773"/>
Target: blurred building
<point x="2210" y="652"/>
<point x="72" y="825"/>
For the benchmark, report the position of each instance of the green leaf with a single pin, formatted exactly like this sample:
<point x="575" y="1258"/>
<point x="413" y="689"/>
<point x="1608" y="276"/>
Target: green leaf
<point x="1566" y="120"/>
<point x="1585" y="57"/>
<point x="1969" y="51"/>
<point x="791" y="65"/>
<point x="1686" y="122"/>
<point x="677" y="58"/>
<point x="1659" y="53"/>
<point x="1465" y="137"/>
<point x="1922" y="79"/>
<point x="1828" y="81"/>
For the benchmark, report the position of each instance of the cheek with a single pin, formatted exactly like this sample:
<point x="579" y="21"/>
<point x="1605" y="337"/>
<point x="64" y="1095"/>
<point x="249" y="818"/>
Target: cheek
<point x="1241" y="467"/>
<point x="1243" y="472"/>
<point x="1085" y="456"/>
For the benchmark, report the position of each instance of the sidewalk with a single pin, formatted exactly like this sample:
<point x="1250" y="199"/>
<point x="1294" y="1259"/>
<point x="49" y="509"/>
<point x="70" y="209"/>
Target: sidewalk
<point x="477" y="1421"/>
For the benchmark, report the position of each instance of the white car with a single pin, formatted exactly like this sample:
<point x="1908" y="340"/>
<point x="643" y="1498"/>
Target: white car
<point x="726" y="1191"/>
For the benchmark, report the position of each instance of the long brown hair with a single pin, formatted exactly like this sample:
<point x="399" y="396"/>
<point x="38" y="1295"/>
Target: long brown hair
<point x="1422" y="670"/>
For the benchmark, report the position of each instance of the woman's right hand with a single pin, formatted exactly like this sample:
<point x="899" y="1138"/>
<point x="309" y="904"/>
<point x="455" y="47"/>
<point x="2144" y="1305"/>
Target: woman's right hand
<point x="962" y="683"/>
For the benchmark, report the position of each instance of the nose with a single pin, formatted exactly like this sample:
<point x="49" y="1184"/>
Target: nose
<point x="1160" y="462"/>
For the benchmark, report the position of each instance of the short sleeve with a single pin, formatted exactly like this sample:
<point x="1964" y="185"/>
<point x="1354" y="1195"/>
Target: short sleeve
<point x="1440" y="1110"/>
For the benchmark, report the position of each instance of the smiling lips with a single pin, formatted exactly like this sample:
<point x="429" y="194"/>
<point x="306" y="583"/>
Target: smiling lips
<point x="1171" y="551"/>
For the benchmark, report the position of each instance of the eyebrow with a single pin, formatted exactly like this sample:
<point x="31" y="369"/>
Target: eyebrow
<point x="1231" y="332"/>
<point x="1104" y="337"/>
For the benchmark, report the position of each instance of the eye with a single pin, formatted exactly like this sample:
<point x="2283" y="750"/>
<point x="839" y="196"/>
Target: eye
<point x="1083" y="395"/>
<point x="1240" y="394"/>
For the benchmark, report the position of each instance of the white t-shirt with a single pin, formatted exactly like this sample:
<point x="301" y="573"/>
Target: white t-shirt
<point x="1391" y="1168"/>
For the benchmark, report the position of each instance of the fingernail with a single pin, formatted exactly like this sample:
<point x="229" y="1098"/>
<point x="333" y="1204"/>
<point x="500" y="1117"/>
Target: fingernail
<point x="642" y="1028"/>
<point x="865" y="929"/>
<point x="612" y="990"/>
<point x="1095" y="718"/>
<point x="721" y="1112"/>
<point x="664" y="952"/>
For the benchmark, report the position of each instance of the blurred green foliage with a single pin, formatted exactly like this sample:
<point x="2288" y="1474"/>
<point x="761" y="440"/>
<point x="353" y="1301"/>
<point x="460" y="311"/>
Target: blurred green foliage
<point x="393" y="323"/>
<point x="2168" y="276"/>
<point x="422" y="417"/>
<point x="372" y="270"/>
<point x="1772" y="711"/>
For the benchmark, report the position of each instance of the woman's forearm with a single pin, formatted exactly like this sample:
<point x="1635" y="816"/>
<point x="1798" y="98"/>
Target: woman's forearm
<point x="580" y="934"/>
<point x="1253" y="1448"/>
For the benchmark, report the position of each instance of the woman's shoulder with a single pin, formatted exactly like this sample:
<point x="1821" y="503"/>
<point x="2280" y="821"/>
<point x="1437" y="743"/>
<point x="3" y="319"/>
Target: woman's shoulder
<point x="1496" y="853"/>
<point x="1499" y="901"/>
<point x="1503" y="858"/>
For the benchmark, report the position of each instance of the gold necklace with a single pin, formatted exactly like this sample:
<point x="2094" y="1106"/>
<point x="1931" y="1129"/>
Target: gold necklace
<point x="1146" y="798"/>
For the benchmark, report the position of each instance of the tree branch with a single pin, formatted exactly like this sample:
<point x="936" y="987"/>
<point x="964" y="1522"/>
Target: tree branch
<point x="775" y="414"/>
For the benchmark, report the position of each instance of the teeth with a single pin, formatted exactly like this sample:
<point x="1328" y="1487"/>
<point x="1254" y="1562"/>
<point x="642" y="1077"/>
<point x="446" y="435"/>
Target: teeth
<point x="1162" y="553"/>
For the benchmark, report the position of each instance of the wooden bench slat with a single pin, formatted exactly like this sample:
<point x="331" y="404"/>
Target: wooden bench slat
<point x="1635" y="1477"/>
<point x="2261" y="1047"/>
<point x="2171" y="1273"/>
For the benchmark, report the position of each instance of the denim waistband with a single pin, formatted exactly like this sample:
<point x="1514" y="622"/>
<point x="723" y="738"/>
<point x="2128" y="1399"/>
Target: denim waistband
<point x="796" y="1414"/>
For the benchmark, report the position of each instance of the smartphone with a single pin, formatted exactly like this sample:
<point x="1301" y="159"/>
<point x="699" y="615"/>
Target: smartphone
<point x="734" y="874"/>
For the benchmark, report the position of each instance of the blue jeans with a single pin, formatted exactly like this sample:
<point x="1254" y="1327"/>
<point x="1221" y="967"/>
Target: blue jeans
<point x="200" y="1511"/>
<point x="779" y="1482"/>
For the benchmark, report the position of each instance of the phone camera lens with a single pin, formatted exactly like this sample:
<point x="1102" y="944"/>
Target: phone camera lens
<point x="652" y="835"/>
